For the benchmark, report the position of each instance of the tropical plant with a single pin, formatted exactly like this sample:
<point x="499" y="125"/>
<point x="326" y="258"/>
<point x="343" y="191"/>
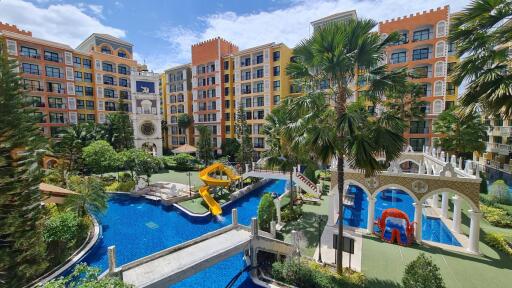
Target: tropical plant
<point x="404" y="101"/>
<point x="500" y="193"/>
<point x="332" y="56"/>
<point x="499" y="242"/>
<point x="73" y="139"/>
<point x="184" y="162"/>
<point x="497" y="216"/>
<point x="90" y="195"/>
<point x="185" y="121"/>
<point x="140" y="164"/>
<point x="61" y="232"/>
<point x="84" y="276"/>
<point x="21" y="145"/>
<point x="461" y="135"/>
<point x="204" y="147"/>
<point x="100" y="157"/>
<point x="230" y="148"/>
<point x="118" y="129"/>
<point x="266" y="212"/>
<point x="482" y="35"/>
<point x="422" y="273"/>
<point x="245" y="153"/>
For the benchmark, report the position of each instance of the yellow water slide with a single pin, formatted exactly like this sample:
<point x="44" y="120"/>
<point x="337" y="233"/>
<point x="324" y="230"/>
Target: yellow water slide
<point x="205" y="176"/>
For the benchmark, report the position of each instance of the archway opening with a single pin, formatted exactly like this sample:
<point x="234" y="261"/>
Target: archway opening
<point x="150" y="148"/>
<point x="409" y="167"/>
<point x="355" y="207"/>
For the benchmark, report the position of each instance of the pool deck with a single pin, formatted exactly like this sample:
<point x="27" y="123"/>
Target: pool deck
<point x="329" y="254"/>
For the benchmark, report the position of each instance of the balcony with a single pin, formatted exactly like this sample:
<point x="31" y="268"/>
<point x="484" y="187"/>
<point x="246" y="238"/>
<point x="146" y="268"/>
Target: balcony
<point x="55" y="75"/>
<point x="421" y="55"/>
<point x="505" y="131"/>
<point x="52" y="58"/>
<point x="259" y="145"/>
<point x="503" y="149"/>
<point x="30" y="56"/>
<point x="56" y="90"/>
<point x="112" y="83"/>
<point x="418" y="37"/>
<point x="246" y="91"/>
<point x="57" y="106"/>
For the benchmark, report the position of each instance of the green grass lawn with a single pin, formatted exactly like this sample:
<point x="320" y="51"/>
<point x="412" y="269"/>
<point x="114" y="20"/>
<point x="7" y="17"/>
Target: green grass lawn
<point x="384" y="263"/>
<point x="178" y="177"/>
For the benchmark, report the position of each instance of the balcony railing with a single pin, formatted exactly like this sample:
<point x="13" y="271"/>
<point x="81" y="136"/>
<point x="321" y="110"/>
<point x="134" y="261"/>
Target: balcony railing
<point x="419" y="130"/>
<point x="33" y="56"/>
<point x="55" y="75"/>
<point x="422" y="37"/>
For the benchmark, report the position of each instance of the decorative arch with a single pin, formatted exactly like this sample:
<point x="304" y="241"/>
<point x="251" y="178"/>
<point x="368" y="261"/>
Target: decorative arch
<point x="441" y="29"/>
<point x="409" y="160"/>
<point x="437" y="106"/>
<point x="103" y="47"/>
<point x="429" y="194"/>
<point x="356" y="183"/>
<point x="440" y="49"/>
<point x="438" y="88"/>
<point x="121" y="51"/>
<point x="396" y="186"/>
<point x="439" y="69"/>
<point x="146" y="106"/>
<point x="181" y="108"/>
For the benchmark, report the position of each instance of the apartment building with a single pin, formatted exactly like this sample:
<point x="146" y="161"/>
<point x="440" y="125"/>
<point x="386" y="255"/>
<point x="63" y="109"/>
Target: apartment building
<point x="177" y="87"/>
<point x="424" y="48"/>
<point x="207" y="88"/>
<point x="260" y="82"/>
<point x="337" y="17"/>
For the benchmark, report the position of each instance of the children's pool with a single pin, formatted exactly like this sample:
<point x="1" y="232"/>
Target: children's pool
<point x="139" y="227"/>
<point x="433" y="229"/>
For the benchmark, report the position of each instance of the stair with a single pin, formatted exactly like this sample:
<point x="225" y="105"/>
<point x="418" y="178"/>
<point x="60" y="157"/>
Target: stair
<point x="305" y="184"/>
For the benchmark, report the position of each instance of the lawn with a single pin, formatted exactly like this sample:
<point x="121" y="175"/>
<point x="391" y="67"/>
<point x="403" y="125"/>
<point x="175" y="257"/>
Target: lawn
<point x="178" y="177"/>
<point x="384" y="263"/>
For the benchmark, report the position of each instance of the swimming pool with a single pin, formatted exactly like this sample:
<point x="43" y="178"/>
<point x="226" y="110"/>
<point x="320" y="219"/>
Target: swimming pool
<point x="139" y="227"/>
<point x="433" y="229"/>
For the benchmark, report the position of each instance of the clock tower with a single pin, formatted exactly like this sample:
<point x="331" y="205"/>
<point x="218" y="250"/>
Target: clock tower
<point x="146" y="116"/>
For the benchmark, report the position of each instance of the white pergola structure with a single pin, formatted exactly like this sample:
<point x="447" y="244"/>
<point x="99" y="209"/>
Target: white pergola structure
<point x="439" y="174"/>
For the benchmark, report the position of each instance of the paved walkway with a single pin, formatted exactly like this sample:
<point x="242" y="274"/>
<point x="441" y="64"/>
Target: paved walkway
<point x="177" y="265"/>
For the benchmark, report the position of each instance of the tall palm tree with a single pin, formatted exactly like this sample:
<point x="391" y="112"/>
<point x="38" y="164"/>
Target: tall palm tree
<point x="91" y="195"/>
<point x="73" y="140"/>
<point x="185" y="122"/>
<point x="333" y="55"/>
<point x="482" y="33"/>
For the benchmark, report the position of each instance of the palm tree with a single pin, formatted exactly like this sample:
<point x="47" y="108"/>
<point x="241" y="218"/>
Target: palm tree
<point x="91" y="195"/>
<point x="204" y="147"/>
<point x="482" y="33"/>
<point x="185" y="121"/>
<point x="333" y="54"/>
<point x="74" y="139"/>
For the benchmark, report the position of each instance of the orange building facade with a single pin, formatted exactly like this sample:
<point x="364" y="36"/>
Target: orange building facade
<point x="424" y="49"/>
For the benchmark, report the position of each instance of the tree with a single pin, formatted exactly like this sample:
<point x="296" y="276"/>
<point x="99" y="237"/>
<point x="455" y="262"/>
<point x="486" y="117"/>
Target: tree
<point x="404" y="102"/>
<point x="90" y="195"/>
<point x="422" y="273"/>
<point x="500" y="193"/>
<point x="22" y="252"/>
<point x="73" y="140"/>
<point x="100" y="157"/>
<point x="185" y="122"/>
<point x="85" y="276"/>
<point x="118" y="129"/>
<point x="60" y="233"/>
<point x="230" y="148"/>
<point x="243" y="133"/>
<point x="266" y="212"/>
<point x="461" y="135"/>
<point x="204" y="147"/>
<point x="482" y="34"/>
<point x="334" y="55"/>
<point x="140" y="164"/>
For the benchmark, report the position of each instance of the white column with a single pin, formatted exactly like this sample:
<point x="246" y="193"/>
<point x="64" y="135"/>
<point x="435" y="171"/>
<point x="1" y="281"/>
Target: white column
<point x="111" y="259"/>
<point x="474" y="231"/>
<point x="435" y="201"/>
<point x="456" y="214"/>
<point x="418" y="213"/>
<point x="277" y="202"/>
<point x="444" y="205"/>
<point x="371" y="214"/>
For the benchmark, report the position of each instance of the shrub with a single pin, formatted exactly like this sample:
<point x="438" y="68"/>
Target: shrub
<point x="289" y="214"/>
<point x="310" y="173"/>
<point x="497" y="216"/>
<point x="499" y="242"/>
<point x="100" y="157"/>
<point x="499" y="192"/>
<point x="85" y="276"/>
<point x="483" y="184"/>
<point x="422" y="273"/>
<point x="309" y="274"/>
<point x="117" y="186"/>
<point x="184" y="162"/>
<point x="266" y="212"/>
<point x="62" y="231"/>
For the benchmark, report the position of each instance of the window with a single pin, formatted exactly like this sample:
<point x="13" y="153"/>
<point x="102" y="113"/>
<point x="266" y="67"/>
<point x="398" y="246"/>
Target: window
<point x="122" y="70"/>
<point x="259" y="73"/>
<point x="438" y="88"/>
<point x="87" y="63"/>
<point x="29" y="52"/>
<point x="295" y="88"/>
<point x="80" y="104"/>
<point x="404" y="38"/>
<point x="439" y="69"/>
<point x="260" y="102"/>
<point x="108" y="67"/>
<point x="51" y="56"/>
<point x="109" y="80"/>
<point x="33" y="85"/>
<point x="398" y="57"/>
<point x="121" y="53"/>
<point x="30" y="68"/>
<point x="89" y="91"/>
<point x="421" y="35"/>
<point x="418" y="127"/>
<point x="123" y="82"/>
<point x="89" y="105"/>
<point x="36" y="101"/>
<point x="88" y="77"/>
<point x="277" y="70"/>
<point x="227" y="103"/>
<point x="91" y="117"/>
<point x="450" y="88"/>
<point x="417" y="143"/>
<point x="276" y="55"/>
<point x="53" y="72"/>
<point x="106" y="50"/>
<point x="54" y="102"/>
<point x="123" y="94"/>
<point x="277" y="99"/>
<point x="420" y="54"/>
<point x="498" y="122"/>
<point x="226" y="78"/>
<point x="226" y="65"/>
<point x="228" y="129"/>
<point x="110" y="106"/>
<point x="440" y="49"/>
<point x="276" y="85"/>
<point x="438" y="106"/>
<point x="451" y="48"/>
<point x="109" y="93"/>
<point x="441" y="29"/>
<point x="450" y="68"/>
<point x="79" y="90"/>
<point x="78" y="76"/>
<point x="180" y="98"/>
<point x="426" y="89"/>
<point x="422" y="72"/>
<point x="55" y="87"/>
<point x="259" y="87"/>
<point x="77" y="61"/>
<point x="181" y="108"/>
<point x="259" y="59"/>
<point x="226" y="91"/>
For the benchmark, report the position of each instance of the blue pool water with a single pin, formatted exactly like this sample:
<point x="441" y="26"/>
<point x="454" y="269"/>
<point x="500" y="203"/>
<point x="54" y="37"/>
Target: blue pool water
<point x="433" y="229"/>
<point x="139" y="227"/>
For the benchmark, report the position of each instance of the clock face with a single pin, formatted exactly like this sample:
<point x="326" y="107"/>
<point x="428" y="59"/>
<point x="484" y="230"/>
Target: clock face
<point x="147" y="128"/>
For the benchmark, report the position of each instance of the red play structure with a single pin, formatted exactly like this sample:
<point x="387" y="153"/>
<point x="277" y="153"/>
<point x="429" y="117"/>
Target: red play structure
<point x="394" y="226"/>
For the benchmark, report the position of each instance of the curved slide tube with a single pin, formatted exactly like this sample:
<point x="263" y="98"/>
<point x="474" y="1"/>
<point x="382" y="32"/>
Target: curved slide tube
<point x="204" y="175"/>
<point x="394" y="226"/>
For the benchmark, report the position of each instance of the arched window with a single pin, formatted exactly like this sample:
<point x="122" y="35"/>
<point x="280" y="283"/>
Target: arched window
<point x="106" y="49"/>
<point x="173" y="109"/>
<point x="440" y="49"/>
<point x="180" y="97"/>
<point x="181" y="108"/>
<point x="146" y="106"/>
<point x="438" y="106"/>
<point x="174" y="119"/>
<point x="121" y="53"/>
<point x="173" y="99"/>
<point x="441" y="29"/>
<point x="438" y="88"/>
<point x="439" y="69"/>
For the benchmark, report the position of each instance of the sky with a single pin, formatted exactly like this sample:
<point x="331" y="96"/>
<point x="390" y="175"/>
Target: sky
<point x="162" y="31"/>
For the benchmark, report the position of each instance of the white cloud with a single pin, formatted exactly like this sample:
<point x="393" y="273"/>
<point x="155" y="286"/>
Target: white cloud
<point x="63" y="23"/>
<point x="288" y="25"/>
